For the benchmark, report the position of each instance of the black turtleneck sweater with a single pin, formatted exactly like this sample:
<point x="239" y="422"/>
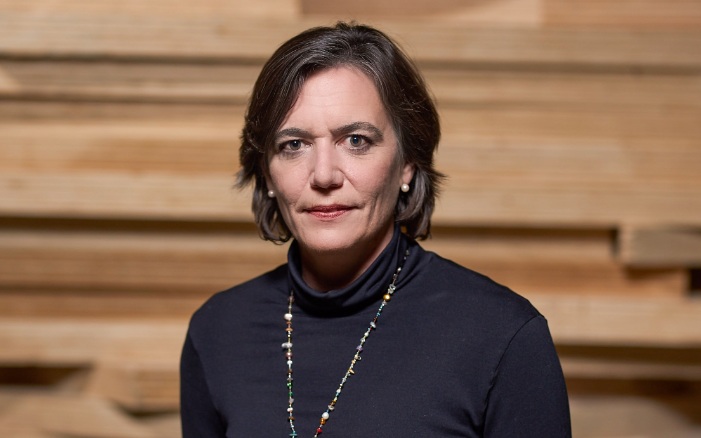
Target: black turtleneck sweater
<point x="454" y="355"/>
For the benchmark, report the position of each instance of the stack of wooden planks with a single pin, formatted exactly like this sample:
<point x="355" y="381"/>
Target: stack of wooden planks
<point x="571" y="138"/>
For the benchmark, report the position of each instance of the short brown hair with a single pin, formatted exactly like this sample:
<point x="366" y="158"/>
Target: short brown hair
<point x="402" y="90"/>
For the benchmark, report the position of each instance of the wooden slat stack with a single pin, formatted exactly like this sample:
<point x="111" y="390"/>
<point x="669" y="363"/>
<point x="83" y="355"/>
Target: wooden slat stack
<point x="571" y="139"/>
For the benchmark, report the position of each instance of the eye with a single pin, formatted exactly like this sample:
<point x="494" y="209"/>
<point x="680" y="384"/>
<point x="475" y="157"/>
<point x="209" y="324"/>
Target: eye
<point x="355" y="140"/>
<point x="293" y="145"/>
<point x="358" y="142"/>
<point x="290" y="146"/>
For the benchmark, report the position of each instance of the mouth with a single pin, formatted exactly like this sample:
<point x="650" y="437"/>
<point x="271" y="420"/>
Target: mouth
<point x="328" y="212"/>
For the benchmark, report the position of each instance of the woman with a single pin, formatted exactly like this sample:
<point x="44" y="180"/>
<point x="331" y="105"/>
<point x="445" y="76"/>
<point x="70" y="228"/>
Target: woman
<point x="362" y="333"/>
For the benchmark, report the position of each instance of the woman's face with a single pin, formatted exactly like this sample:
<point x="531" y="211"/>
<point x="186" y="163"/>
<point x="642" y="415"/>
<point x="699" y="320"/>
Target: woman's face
<point x="336" y="171"/>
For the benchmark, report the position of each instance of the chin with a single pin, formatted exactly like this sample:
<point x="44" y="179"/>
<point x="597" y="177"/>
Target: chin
<point x="329" y="241"/>
<point x="362" y="239"/>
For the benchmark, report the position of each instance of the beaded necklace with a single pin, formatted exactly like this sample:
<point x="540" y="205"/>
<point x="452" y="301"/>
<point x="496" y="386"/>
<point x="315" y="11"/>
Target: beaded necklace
<point x="287" y="346"/>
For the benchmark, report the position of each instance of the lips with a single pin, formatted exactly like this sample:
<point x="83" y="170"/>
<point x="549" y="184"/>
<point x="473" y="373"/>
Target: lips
<point x="328" y="212"/>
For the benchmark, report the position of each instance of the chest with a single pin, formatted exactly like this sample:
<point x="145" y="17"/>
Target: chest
<point x="412" y="379"/>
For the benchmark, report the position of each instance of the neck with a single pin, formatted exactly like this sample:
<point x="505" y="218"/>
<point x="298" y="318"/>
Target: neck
<point x="331" y="270"/>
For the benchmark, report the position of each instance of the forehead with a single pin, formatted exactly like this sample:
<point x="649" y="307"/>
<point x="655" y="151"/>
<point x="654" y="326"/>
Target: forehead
<point x="337" y="93"/>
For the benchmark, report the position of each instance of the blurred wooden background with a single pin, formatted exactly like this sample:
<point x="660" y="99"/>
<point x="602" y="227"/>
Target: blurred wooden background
<point x="572" y="138"/>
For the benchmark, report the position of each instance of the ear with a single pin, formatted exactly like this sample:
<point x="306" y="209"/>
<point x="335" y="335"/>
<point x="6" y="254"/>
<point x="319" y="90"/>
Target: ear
<point x="268" y="180"/>
<point x="407" y="173"/>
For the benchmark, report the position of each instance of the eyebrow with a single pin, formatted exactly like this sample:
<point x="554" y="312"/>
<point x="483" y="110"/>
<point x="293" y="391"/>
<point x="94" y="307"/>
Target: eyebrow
<point x="350" y="128"/>
<point x="359" y="126"/>
<point x="292" y="132"/>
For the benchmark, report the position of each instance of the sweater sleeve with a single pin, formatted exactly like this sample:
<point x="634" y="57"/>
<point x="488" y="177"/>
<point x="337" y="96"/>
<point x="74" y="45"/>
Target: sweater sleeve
<point x="199" y="417"/>
<point x="528" y="397"/>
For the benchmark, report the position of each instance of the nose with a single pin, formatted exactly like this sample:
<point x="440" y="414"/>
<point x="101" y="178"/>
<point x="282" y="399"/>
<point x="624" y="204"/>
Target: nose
<point x="325" y="170"/>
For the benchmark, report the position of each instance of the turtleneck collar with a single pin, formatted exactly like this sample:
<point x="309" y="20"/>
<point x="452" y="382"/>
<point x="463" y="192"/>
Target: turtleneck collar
<point x="365" y="290"/>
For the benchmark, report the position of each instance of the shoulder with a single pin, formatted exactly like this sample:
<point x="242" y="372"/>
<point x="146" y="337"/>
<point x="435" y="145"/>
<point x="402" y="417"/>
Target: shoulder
<point x="240" y="304"/>
<point x="461" y="296"/>
<point x="470" y="321"/>
<point x="472" y="288"/>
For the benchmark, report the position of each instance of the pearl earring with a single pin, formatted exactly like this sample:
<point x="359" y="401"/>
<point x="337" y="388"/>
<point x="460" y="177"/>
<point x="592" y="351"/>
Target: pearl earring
<point x="271" y="194"/>
<point x="405" y="188"/>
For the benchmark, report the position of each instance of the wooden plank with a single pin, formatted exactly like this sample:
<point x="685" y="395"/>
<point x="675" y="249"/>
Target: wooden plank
<point x="76" y="303"/>
<point x="231" y="83"/>
<point x="165" y="424"/>
<point x="510" y="12"/>
<point x="572" y="143"/>
<point x="121" y="261"/>
<point x="647" y="14"/>
<point x="144" y="387"/>
<point x="188" y="262"/>
<point x="23" y="34"/>
<point x="572" y="90"/>
<point x="534" y="262"/>
<point x="127" y="81"/>
<point x="630" y="364"/>
<point x="84" y="342"/>
<point x="594" y="146"/>
<point x="672" y="14"/>
<point x="52" y="302"/>
<point x="74" y="35"/>
<point x="603" y="321"/>
<point x="594" y="126"/>
<point x="614" y="413"/>
<point x="116" y="112"/>
<point x="582" y="124"/>
<point x="569" y="277"/>
<point x="106" y="10"/>
<point x="536" y="167"/>
<point x="620" y="321"/>
<point x="468" y="201"/>
<point x="582" y="368"/>
<point x="175" y="147"/>
<point x="553" y="46"/>
<point x="139" y="386"/>
<point x="122" y="196"/>
<point x="611" y="162"/>
<point x="187" y="266"/>
<point x="50" y="416"/>
<point x="151" y="386"/>
<point x="549" y="205"/>
<point x="660" y="246"/>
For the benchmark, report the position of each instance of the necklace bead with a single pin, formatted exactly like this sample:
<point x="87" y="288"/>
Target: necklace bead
<point x="287" y="346"/>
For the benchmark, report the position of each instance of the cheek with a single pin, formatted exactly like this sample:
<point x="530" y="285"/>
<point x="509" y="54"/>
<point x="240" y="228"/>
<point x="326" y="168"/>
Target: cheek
<point x="292" y="189"/>
<point x="389" y="196"/>
<point x="287" y="195"/>
<point x="285" y="181"/>
<point x="382" y="185"/>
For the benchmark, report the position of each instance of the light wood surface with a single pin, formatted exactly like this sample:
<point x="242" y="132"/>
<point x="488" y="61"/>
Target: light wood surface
<point x="585" y="168"/>
<point x="647" y="245"/>
<point x="230" y="82"/>
<point x="107" y="273"/>
<point x="36" y="35"/>
<point x="570" y="137"/>
<point x="45" y="416"/>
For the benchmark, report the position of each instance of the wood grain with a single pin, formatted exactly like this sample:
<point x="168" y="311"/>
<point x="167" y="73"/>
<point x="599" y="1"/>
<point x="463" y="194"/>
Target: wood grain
<point x="648" y="245"/>
<point x="570" y="136"/>
<point x="23" y="34"/>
